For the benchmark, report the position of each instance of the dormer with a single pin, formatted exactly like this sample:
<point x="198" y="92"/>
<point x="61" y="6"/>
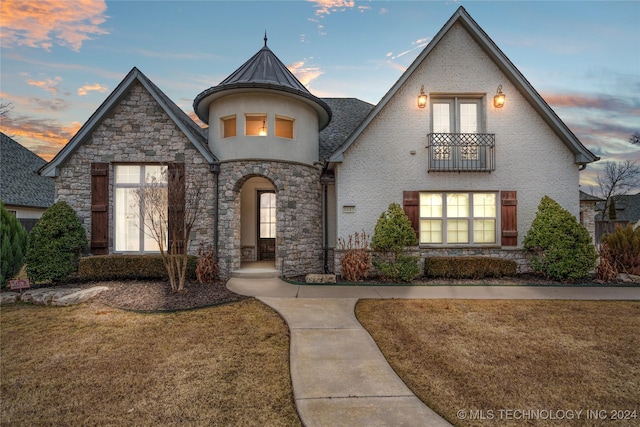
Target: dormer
<point x="262" y="111"/>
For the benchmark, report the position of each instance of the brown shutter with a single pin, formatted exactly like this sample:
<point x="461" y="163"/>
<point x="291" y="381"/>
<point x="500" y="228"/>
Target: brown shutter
<point x="176" y="190"/>
<point x="509" y="218"/>
<point x="411" y="206"/>
<point x="99" y="208"/>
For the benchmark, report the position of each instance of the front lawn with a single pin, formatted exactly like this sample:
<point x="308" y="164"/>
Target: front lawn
<point x="95" y="365"/>
<point x="486" y="358"/>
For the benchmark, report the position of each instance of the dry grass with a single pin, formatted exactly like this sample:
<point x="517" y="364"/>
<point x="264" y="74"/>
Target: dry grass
<point x="95" y="365"/>
<point x="521" y="355"/>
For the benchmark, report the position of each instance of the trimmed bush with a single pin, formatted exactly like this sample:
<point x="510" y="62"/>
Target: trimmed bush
<point x="13" y="245"/>
<point x="560" y="247"/>
<point x="55" y="244"/>
<point x="128" y="267"/>
<point x="392" y="235"/>
<point x="207" y="269"/>
<point x="624" y="249"/>
<point x="469" y="267"/>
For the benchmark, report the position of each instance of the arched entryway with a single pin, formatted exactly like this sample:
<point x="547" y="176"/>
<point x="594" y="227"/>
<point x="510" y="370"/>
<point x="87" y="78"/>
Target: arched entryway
<point x="258" y="228"/>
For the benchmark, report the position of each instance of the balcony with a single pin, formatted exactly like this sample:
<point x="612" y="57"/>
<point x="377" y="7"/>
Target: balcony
<point x="461" y="152"/>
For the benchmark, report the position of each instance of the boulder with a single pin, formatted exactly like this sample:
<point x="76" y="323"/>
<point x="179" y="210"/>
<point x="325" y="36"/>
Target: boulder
<point x="9" y="297"/>
<point x="79" y="296"/>
<point x="320" y="278"/>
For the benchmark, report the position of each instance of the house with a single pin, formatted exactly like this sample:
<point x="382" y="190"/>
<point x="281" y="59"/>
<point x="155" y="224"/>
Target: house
<point x="24" y="193"/>
<point x="462" y="141"/>
<point x="588" y="213"/>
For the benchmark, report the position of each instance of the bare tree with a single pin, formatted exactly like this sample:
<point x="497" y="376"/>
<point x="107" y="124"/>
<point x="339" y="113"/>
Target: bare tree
<point x="615" y="180"/>
<point x="170" y="207"/>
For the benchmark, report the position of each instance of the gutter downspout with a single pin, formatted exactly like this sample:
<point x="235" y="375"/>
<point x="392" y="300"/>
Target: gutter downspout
<point x="324" y="180"/>
<point x="215" y="169"/>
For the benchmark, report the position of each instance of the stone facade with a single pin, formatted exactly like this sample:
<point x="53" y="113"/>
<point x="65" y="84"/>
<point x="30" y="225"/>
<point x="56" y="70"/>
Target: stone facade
<point x="137" y="130"/>
<point x="298" y="214"/>
<point x="588" y="217"/>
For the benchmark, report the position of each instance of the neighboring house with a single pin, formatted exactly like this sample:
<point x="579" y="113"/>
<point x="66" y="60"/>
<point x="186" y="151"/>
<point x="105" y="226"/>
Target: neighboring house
<point x="287" y="174"/>
<point x="24" y="193"/>
<point x="588" y="213"/>
<point x="627" y="209"/>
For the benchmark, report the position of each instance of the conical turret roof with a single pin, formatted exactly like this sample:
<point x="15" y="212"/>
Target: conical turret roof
<point x="262" y="72"/>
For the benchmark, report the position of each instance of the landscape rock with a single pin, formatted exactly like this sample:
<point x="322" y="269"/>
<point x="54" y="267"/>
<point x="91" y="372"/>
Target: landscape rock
<point x="628" y="278"/>
<point x="79" y="296"/>
<point x="9" y="297"/>
<point x="52" y="296"/>
<point x="320" y="278"/>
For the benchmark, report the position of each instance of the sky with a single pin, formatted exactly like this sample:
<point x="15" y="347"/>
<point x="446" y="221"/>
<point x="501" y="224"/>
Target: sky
<point x="60" y="59"/>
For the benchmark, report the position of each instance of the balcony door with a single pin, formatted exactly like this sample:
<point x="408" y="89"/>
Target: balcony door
<point x="266" y="225"/>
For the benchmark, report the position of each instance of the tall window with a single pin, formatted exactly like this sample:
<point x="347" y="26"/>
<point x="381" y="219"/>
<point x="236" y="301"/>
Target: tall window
<point x="458" y="218"/>
<point x="130" y="235"/>
<point x="267" y="215"/>
<point x="284" y="127"/>
<point x="256" y="124"/>
<point x="228" y="126"/>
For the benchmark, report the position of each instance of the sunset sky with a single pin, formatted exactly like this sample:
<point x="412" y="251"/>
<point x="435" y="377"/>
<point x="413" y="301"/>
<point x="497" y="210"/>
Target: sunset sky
<point x="60" y="59"/>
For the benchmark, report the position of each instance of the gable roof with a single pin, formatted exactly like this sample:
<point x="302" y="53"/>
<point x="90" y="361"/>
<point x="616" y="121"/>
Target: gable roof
<point x="20" y="184"/>
<point x="348" y="113"/>
<point x="586" y="197"/>
<point x="581" y="154"/>
<point x="196" y="135"/>
<point x="627" y="208"/>
<point x="263" y="71"/>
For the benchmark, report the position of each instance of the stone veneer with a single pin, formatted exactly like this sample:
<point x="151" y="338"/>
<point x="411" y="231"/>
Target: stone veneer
<point x="137" y="130"/>
<point x="298" y="214"/>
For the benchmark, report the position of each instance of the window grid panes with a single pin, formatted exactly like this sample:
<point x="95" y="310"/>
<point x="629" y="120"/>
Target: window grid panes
<point x="267" y="215"/>
<point x="131" y="232"/>
<point x="458" y="218"/>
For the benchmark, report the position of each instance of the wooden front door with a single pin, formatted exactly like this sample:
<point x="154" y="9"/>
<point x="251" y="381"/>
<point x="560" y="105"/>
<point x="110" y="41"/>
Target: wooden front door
<point x="266" y="225"/>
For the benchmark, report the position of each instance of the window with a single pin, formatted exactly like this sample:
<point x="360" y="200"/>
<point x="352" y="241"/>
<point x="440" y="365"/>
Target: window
<point x="256" y="124"/>
<point x="130" y="235"/>
<point x="284" y="127"/>
<point x="267" y="215"/>
<point x="458" y="218"/>
<point x="228" y="126"/>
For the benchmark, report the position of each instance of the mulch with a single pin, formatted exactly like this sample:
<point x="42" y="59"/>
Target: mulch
<point x="157" y="296"/>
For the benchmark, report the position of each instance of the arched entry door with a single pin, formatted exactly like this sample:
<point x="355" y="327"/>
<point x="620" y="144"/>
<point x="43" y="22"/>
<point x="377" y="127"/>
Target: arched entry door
<point x="258" y="219"/>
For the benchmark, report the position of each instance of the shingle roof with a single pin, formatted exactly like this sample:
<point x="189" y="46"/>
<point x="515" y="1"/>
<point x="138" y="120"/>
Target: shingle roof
<point x="20" y="184"/>
<point x="627" y="208"/>
<point x="263" y="71"/>
<point x="585" y="197"/>
<point x="347" y="115"/>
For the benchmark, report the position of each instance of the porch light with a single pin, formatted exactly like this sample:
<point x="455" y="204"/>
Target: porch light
<point x="498" y="100"/>
<point x="422" y="98"/>
<point x="263" y="129"/>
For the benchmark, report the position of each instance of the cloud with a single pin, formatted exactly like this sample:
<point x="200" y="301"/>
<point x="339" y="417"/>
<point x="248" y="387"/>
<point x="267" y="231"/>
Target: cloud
<point x="97" y="87"/>
<point x="47" y="84"/>
<point x="43" y="23"/>
<point x="44" y="137"/>
<point x="327" y="7"/>
<point x="600" y="102"/>
<point x="306" y="74"/>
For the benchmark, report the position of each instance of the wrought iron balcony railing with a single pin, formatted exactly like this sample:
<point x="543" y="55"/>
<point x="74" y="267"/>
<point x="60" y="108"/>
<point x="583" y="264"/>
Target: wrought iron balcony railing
<point x="461" y="152"/>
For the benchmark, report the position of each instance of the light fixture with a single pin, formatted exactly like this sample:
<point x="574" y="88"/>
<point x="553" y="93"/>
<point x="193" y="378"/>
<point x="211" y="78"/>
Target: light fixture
<point x="263" y="129"/>
<point x="498" y="100"/>
<point x="422" y="98"/>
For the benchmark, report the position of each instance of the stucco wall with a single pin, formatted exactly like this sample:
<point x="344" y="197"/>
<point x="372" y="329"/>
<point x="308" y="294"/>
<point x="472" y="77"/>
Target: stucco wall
<point x="302" y="148"/>
<point x="530" y="158"/>
<point x="137" y="130"/>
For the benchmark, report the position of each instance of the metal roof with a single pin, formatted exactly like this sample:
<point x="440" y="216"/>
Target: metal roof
<point x="262" y="72"/>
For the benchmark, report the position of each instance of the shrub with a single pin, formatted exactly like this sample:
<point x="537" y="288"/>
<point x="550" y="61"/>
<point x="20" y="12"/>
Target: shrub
<point x="404" y="268"/>
<point x="127" y="267"/>
<point x="624" y="249"/>
<point x="356" y="259"/>
<point x="207" y="269"/>
<point x="55" y="244"/>
<point x="392" y="235"/>
<point x="13" y="245"/>
<point x="606" y="269"/>
<point x="561" y="248"/>
<point x="469" y="267"/>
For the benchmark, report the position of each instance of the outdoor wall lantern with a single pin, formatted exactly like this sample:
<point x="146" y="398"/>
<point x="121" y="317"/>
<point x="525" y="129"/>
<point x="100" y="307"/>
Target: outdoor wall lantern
<point x="422" y="98"/>
<point x="498" y="100"/>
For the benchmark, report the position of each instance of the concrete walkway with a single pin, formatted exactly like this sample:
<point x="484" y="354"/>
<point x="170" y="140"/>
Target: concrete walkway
<point x="339" y="375"/>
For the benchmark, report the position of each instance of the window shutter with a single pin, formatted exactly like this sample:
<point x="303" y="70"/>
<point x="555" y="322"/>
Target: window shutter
<point x="176" y="197"/>
<point x="509" y="218"/>
<point x="411" y="206"/>
<point x="99" y="208"/>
